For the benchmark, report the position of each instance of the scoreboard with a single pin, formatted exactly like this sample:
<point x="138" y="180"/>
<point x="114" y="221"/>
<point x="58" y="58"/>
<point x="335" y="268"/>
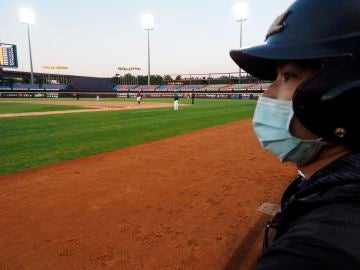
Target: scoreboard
<point x="8" y="55"/>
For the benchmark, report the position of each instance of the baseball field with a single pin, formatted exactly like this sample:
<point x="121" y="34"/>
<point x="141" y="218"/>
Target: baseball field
<point x="111" y="184"/>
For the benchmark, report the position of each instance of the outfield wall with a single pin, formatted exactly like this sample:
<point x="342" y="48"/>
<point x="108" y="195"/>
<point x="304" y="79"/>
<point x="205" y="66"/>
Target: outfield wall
<point x="127" y="94"/>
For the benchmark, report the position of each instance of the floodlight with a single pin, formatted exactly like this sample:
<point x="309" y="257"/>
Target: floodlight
<point x="27" y="16"/>
<point x="147" y="21"/>
<point x="148" y="24"/>
<point x="241" y="10"/>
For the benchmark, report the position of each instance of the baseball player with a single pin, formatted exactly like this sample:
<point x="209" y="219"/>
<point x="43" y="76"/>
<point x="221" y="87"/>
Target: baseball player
<point x="176" y="101"/>
<point x="310" y="116"/>
<point x="138" y="97"/>
<point x="192" y="97"/>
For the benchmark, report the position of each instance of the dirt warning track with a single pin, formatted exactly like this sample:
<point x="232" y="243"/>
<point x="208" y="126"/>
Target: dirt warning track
<point x="187" y="202"/>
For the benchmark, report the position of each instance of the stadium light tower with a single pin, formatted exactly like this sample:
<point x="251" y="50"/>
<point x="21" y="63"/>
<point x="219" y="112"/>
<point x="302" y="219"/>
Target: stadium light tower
<point x="27" y="17"/>
<point x="241" y="12"/>
<point x="148" y="24"/>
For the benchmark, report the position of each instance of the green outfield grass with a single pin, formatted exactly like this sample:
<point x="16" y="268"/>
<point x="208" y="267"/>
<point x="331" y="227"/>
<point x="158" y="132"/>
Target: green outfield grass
<point x="8" y="107"/>
<point x="27" y="142"/>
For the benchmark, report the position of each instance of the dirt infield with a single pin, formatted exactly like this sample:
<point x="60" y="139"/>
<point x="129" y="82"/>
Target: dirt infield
<point x="188" y="202"/>
<point x="95" y="105"/>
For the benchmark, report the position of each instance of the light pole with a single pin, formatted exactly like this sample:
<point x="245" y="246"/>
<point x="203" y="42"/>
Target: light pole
<point x="148" y="24"/>
<point x="241" y="11"/>
<point x="117" y="79"/>
<point x="27" y="17"/>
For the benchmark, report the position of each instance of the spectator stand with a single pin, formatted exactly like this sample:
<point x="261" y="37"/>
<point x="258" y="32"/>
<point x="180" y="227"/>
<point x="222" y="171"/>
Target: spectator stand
<point x="125" y="87"/>
<point x="169" y="87"/>
<point x="237" y="87"/>
<point x="191" y="87"/>
<point x="26" y="86"/>
<point x="146" y="88"/>
<point x="53" y="86"/>
<point x="215" y="87"/>
<point x="5" y="87"/>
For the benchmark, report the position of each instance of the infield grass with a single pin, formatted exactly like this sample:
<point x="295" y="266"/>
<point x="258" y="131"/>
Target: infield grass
<point x="27" y="142"/>
<point x="9" y="107"/>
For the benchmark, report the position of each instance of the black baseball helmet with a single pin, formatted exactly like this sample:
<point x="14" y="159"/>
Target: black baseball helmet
<point x="328" y="104"/>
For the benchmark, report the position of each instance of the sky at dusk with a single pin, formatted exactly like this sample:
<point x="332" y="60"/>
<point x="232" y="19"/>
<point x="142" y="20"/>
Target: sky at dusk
<point x="94" y="37"/>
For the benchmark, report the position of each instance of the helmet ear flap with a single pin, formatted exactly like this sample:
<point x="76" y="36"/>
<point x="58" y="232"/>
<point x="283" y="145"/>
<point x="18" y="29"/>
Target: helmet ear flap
<point x="328" y="105"/>
<point x="343" y="103"/>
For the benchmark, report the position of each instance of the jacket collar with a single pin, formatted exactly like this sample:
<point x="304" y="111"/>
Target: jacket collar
<point x="337" y="182"/>
<point x="341" y="172"/>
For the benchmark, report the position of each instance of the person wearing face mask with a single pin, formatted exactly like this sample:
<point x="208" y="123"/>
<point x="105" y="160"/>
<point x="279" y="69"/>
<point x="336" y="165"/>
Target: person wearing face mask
<point x="310" y="115"/>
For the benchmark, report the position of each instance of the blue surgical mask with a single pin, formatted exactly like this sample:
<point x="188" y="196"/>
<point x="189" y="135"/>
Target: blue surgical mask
<point x="271" y="123"/>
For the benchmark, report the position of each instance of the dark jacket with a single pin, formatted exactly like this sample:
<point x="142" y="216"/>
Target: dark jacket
<point x="319" y="225"/>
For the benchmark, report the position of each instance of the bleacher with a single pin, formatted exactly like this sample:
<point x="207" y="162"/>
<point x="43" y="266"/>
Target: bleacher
<point x="187" y="88"/>
<point x="169" y="87"/>
<point x="174" y="87"/>
<point x="265" y="86"/>
<point x="146" y="87"/>
<point x="163" y="87"/>
<point x="239" y="86"/>
<point x="125" y="87"/>
<point x="191" y="87"/>
<point x="254" y="87"/>
<point x="215" y="87"/>
<point x="53" y="86"/>
<point x="26" y="86"/>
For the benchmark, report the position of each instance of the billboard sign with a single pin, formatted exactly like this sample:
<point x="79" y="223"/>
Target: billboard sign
<point x="8" y="56"/>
